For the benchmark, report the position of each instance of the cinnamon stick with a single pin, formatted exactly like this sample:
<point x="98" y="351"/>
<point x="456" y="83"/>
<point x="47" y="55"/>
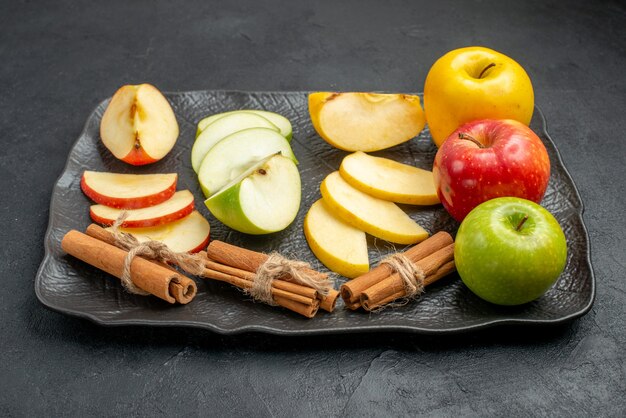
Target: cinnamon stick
<point x="351" y="291"/>
<point x="155" y="279"/>
<point x="392" y="287"/>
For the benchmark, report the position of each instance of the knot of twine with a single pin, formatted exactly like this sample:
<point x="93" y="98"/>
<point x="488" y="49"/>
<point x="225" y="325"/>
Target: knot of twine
<point x="153" y="250"/>
<point x="277" y="266"/>
<point x="412" y="276"/>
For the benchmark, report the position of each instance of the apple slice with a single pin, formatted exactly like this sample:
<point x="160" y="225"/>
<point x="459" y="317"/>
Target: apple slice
<point x="189" y="234"/>
<point x="138" y="125"/>
<point x="389" y="180"/>
<point x="223" y="127"/>
<point x="278" y="120"/>
<point x="263" y="199"/>
<point x="128" y="191"/>
<point x="366" y="121"/>
<point x="179" y="206"/>
<point x="377" y="217"/>
<point x="237" y="152"/>
<point x="339" y="246"/>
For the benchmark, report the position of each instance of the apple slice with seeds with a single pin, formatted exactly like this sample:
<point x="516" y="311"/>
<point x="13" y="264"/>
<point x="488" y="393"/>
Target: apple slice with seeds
<point x="139" y="126"/>
<point x="178" y="206"/>
<point x="128" y="191"/>
<point x="339" y="246"/>
<point x="366" y="121"/>
<point x="389" y="180"/>
<point x="189" y="234"/>
<point x="377" y="217"/>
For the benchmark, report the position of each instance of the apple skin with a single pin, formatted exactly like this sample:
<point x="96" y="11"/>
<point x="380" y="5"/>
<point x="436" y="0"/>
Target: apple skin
<point x="130" y="202"/>
<point x="503" y="265"/>
<point x="455" y="92"/>
<point x="512" y="162"/>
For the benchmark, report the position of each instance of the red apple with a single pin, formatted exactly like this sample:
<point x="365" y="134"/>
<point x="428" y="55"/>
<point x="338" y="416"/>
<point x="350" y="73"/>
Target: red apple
<point x="139" y="125"/>
<point x="178" y="206"/>
<point x="128" y="191"/>
<point x="485" y="159"/>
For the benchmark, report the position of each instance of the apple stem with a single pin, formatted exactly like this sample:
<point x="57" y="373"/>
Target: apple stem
<point x="470" y="138"/>
<point x="521" y="223"/>
<point x="485" y="69"/>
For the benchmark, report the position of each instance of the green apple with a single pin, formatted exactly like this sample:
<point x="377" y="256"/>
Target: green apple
<point x="280" y="121"/>
<point x="263" y="199"/>
<point x="223" y="127"/>
<point x="236" y="153"/>
<point x="509" y="250"/>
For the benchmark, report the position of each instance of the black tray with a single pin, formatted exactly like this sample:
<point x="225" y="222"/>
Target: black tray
<point x="70" y="286"/>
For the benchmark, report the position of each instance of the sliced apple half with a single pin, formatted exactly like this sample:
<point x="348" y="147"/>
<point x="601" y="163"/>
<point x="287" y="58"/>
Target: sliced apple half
<point x="366" y="121"/>
<point x="139" y="125"/>
<point x="377" y="217"/>
<point x="128" y="191"/>
<point x="189" y="234"/>
<point x="263" y="199"/>
<point x="223" y="127"/>
<point x="178" y="206"/>
<point x="389" y="180"/>
<point x="236" y="153"/>
<point x="338" y="245"/>
<point x="278" y="120"/>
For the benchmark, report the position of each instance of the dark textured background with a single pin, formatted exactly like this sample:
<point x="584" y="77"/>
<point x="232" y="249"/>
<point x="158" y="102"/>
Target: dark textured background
<point x="58" y="60"/>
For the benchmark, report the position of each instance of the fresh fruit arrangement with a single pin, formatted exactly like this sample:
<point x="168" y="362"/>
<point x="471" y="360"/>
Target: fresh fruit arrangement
<point x="490" y="172"/>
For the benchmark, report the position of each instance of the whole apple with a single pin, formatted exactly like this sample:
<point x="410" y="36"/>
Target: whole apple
<point x="475" y="83"/>
<point x="509" y="251"/>
<point x="486" y="159"/>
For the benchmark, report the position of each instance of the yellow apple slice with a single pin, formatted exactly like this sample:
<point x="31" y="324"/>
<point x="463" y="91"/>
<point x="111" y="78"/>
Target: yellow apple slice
<point x="189" y="234"/>
<point x="128" y="191"/>
<point x="389" y="180"/>
<point x="178" y="206"/>
<point x="366" y="121"/>
<point x="139" y="125"/>
<point x="377" y="217"/>
<point x="339" y="246"/>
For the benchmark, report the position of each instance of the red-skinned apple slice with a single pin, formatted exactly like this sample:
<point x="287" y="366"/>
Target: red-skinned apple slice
<point x="189" y="234"/>
<point x="179" y="206"/>
<point x="128" y="191"/>
<point x="139" y="125"/>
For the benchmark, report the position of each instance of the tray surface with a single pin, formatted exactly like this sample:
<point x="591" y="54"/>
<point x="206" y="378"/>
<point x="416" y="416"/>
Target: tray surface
<point x="70" y="286"/>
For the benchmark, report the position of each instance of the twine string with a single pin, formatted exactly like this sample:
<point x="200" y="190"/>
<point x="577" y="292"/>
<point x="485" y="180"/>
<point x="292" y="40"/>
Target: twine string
<point x="412" y="276"/>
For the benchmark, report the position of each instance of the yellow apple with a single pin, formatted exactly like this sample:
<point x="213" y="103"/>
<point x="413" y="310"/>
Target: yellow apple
<point x="389" y="180"/>
<point x="475" y="83"/>
<point x="366" y="121"/>
<point x="338" y="245"/>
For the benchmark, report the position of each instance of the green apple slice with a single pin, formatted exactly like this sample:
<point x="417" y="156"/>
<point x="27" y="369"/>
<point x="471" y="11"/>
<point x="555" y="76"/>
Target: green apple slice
<point x="280" y="121"/>
<point x="263" y="199"/>
<point x="237" y="152"/>
<point x="223" y="127"/>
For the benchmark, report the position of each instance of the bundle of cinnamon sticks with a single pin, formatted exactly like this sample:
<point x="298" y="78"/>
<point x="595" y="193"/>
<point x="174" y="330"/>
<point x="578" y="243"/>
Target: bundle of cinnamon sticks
<point x="222" y="262"/>
<point x="433" y="257"/>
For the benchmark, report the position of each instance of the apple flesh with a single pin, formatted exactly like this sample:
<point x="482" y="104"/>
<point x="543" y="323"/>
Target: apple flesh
<point x="338" y="245"/>
<point x="509" y="251"/>
<point x="234" y="154"/>
<point x="263" y="199"/>
<point x="139" y="125"/>
<point x="281" y="122"/>
<point x="177" y="207"/>
<point x="389" y="180"/>
<point x="223" y="127"/>
<point x="128" y="191"/>
<point x="377" y="217"/>
<point x="366" y="121"/>
<point x="486" y="159"/>
<point x="473" y="83"/>
<point x="189" y="234"/>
